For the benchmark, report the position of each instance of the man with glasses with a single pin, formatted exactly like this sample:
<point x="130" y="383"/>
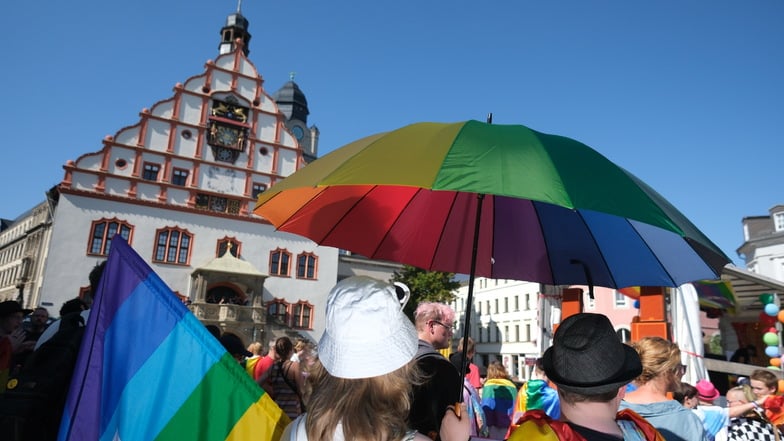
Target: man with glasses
<point x="435" y="325"/>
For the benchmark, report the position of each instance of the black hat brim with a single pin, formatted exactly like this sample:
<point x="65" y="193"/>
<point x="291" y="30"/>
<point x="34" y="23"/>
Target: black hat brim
<point x="630" y="369"/>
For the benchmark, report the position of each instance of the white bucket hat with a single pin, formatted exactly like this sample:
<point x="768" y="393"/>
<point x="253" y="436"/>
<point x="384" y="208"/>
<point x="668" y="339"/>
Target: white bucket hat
<point x="367" y="334"/>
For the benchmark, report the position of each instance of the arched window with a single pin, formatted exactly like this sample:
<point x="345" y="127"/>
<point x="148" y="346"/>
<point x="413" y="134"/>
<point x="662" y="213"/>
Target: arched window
<point x="279" y="263"/>
<point x="306" y="266"/>
<point x="224" y="243"/>
<point x="278" y="310"/>
<point x="302" y="314"/>
<point x="172" y="245"/>
<point x="101" y="234"/>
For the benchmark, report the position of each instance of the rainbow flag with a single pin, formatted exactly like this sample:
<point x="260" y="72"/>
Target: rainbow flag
<point x="718" y="294"/>
<point x="149" y="370"/>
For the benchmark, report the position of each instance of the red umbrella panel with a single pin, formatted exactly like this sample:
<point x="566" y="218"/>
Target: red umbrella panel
<point x="518" y="238"/>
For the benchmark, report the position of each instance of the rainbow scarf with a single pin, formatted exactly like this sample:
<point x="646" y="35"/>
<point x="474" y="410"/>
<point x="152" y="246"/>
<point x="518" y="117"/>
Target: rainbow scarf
<point x="149" y="370"/>
<point x="536" y="425"/>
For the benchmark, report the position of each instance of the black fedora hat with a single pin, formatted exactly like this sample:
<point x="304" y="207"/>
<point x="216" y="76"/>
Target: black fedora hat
<point x="12" y="307"/>
<point x="588" y="358"/>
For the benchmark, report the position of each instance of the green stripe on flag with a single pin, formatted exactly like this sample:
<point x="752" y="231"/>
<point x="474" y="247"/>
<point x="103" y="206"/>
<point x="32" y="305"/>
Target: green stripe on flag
<point x="215" y="406"/>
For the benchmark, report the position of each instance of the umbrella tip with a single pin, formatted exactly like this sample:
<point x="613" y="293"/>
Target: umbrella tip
<point x="490" y="118"/>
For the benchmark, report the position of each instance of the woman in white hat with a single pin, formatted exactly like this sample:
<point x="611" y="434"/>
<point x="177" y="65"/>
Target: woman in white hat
<point x="361" y="382"/>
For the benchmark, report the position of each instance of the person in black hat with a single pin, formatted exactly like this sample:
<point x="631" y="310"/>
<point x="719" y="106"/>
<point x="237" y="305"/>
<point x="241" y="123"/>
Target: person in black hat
<point x="11" y="336"/>
<point x="590" y="367"/>
<point x="235" y="346"/>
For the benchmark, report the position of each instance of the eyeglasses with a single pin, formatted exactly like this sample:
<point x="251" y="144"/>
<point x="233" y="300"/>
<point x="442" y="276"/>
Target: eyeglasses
<point x="448" y="328"/>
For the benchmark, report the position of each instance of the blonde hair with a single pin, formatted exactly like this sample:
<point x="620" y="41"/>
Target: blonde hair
<point x="660" y="359"/>
<point x="469" y="348"/>
<point x="370" y="409"/>
<point x="746" y="395"/>
<point x="496" y="370"/>
<point x="255" y="348"/>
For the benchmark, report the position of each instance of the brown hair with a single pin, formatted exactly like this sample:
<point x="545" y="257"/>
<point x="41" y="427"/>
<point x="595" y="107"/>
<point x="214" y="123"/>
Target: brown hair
<point x="370" y="409"/>
<point x="284" y="348"/>
<point x="496" y="370"/>
<point x="573" y="397"/>
<point x="685" y="391"/>
<point x="767" y="377"/>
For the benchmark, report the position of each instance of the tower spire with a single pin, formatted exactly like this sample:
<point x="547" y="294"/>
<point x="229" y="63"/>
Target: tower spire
<point x="236" y="27"/>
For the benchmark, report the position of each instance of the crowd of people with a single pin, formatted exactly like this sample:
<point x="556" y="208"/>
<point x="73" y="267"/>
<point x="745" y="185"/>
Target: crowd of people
<point x="376" y="375"/>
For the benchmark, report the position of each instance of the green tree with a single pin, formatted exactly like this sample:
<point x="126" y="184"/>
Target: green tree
<point x="426" y="286"/>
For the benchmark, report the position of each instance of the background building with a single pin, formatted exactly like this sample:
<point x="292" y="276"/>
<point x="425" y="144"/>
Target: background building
<point x="763" y="243"/>
<point x="180" y="185"/>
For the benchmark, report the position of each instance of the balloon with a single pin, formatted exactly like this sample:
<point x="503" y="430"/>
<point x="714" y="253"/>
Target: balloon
<point x="772" y="351"/>
<point x="781" y="386"/>
<point x="772" y="309"/>
<point x="770" y="339"/>
<point x="781" y="316"/>
<point x="766" y="298"/>
<point x="775" y="362"/>
<point x="772" y="329"/>
<point x="774" y="368"/>
<point x="766" y="319"/>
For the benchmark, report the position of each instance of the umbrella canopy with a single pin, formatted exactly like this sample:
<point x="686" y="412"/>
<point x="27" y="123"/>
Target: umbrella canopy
<point x="552" y="209"/>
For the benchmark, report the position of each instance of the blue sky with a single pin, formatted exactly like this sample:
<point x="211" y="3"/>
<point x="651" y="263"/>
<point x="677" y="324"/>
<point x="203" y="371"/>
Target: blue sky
<point x="689" y="96"/>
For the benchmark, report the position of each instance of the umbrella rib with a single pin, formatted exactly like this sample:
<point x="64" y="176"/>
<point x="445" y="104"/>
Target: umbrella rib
<point x="443" y="230"/>
<point x="392" y="225"/>
<point x="663" y="267"/>
<point x="343" y="216"/>
<point x="598" y="249"/>
<point x="544" y="238"/>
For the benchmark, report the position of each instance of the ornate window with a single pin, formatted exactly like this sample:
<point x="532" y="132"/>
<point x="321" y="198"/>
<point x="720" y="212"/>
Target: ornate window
<point x="301" y="316"/>
<point x="103" y="231"/>
<point x="172" y="245"/>
<point x="180" y="176"/>
<point x="219" y="204"/>
<point x="230" y="243"/>
<point x="150" y="172"/>
<point x="279" y="263"/>
<point x="278" y="310"/>
<point x="306" y="266"/>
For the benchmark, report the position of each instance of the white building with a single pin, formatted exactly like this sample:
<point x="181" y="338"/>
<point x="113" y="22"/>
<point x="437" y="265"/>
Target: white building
<point x="506" y="322"/>
<point x="512" y="321"/>
<point x="179" y="184"/>
<point x="763" y="243"/>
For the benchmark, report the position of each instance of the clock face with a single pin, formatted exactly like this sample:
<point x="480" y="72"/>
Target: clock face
<point x="298" y="132"/>
<point x="224" y="154"/>
<point x="227" y="135"/>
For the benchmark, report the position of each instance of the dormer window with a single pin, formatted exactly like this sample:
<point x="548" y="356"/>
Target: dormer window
<point x="778" y="221"/>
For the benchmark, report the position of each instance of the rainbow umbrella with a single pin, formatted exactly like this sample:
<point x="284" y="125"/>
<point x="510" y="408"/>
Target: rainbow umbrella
<point x="501" y="201"/>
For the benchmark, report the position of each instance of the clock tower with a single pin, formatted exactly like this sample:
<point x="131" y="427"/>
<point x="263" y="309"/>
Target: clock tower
<point x="236" y="27"/>
<point x="292" y="103"/>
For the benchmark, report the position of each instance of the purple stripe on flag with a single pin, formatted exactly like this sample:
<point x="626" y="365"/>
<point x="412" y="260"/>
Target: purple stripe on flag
<point x="125" y="270"/>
